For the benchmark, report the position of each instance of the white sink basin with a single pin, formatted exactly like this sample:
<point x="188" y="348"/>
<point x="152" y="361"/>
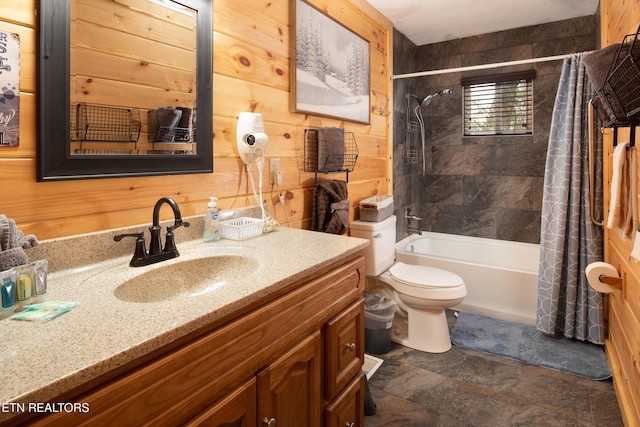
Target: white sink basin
<point x="185" y="279"/>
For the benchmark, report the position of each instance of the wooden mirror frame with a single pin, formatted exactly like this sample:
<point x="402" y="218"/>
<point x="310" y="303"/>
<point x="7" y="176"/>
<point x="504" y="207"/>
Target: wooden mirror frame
<point x="54" y="161"/>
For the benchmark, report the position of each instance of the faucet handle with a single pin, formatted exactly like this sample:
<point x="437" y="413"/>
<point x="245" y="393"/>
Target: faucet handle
<point x="410" y="217"/>
<point x="118" y="237"/>
<point x="140" y="253"/>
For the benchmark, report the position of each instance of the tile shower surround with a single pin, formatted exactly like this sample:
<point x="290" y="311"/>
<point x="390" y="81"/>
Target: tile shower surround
<point x="479" y="186"/>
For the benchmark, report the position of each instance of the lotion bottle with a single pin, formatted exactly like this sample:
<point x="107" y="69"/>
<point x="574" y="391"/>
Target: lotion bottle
<point x="211" y="222"/>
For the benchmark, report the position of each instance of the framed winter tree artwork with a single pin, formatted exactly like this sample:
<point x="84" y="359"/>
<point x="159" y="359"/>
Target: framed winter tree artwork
<point x="329" y="66"/>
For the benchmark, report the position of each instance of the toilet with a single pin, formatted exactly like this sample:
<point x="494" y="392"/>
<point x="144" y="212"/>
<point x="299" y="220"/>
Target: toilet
<point x="421" y="292"/>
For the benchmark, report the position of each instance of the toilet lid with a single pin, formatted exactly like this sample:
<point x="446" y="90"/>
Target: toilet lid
<point x="422" y="275"/>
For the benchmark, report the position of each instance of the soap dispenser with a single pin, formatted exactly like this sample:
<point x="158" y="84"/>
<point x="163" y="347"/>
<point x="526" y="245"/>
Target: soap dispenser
<point x="211" y="222"/>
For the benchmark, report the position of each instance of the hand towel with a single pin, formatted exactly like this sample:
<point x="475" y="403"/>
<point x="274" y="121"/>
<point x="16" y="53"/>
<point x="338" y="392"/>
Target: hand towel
<point x="12" y="258"/>
<point x="330" y="149"/>
<point x="185" y="124"/>
<point x="635" y="253"/>
<point x="618" y="186"/>
<point x="597" y="65"/>
<point x="4" y="233"/>
<point x="631" y="218"/>
<point x="11" y="237"/>
<point x="331" y="207"/>
<point x="167" y="119"/>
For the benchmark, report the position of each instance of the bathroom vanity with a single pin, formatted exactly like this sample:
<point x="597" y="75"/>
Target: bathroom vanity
<point x="280" y="343"/>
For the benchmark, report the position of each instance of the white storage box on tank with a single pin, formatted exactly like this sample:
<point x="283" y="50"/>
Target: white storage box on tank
<point x="376" y="208"/>
<point x="378" y="319"/>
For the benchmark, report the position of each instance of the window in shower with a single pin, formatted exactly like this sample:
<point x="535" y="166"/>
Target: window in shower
<point x="499" y="104"/>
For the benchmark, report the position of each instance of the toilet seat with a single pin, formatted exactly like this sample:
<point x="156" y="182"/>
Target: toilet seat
<point x="424" y="276"/>
<point x="423" y="282"/>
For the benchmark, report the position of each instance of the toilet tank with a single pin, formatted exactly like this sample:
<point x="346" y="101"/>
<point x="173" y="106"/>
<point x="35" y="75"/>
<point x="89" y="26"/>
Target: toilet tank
<point x="380" y="254"/>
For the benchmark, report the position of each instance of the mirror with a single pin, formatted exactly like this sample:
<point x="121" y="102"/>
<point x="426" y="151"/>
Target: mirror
<point x="124" y="88"/>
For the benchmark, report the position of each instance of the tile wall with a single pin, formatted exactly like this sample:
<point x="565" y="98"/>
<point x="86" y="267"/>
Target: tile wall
<point x="478" y="186"/>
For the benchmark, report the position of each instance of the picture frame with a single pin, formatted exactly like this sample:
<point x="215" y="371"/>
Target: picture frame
<point x="330" y="68"/>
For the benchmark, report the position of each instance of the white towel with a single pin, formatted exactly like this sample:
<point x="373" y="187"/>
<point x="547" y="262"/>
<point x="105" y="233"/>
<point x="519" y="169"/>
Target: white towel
<point x="631" y="220"/>
<point x="618" y="187"/>
<point x="635" y="253"/>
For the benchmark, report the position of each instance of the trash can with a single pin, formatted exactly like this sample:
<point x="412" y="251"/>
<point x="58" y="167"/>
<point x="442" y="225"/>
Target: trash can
<point x="378" y="318"/>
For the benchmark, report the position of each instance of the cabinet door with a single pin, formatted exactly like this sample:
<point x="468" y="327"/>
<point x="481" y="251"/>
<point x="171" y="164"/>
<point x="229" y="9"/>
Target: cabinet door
<point x="348" y="408"/>
<point x="237" y="409"/>
<point x="344" y="348"/>
<point x="289" y="389"/>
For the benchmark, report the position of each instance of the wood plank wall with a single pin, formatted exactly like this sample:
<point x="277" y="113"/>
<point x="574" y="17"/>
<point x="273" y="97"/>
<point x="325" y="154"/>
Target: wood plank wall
<point x="251" y="73"/>
<point x="619" y="18"/>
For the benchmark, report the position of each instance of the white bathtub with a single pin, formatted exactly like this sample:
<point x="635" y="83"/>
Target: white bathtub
<point x="501" y="276"/>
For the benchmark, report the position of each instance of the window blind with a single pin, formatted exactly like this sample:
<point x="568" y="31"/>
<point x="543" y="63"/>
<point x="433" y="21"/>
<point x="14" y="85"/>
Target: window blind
<point x="499" y="105"/>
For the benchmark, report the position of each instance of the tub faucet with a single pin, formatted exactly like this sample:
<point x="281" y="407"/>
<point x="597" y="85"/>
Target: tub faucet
<point x="410" y="218"/>
<point x="156" y="252"/>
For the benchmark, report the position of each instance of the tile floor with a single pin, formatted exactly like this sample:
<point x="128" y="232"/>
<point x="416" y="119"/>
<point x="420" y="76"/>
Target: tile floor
<point x="470" y="388"/>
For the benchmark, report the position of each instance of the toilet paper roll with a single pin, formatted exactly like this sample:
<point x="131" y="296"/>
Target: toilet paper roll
<point x="597" y="269"/>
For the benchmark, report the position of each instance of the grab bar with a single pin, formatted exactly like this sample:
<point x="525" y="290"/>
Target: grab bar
<point x="592" y="196"/>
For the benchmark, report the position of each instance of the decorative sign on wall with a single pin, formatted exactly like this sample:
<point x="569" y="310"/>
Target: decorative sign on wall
<point x="9" y="89"/>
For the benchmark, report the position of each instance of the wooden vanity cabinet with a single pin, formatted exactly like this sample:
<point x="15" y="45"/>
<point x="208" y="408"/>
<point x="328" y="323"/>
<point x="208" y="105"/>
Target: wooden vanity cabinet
<point x="294" y="360"/>
<point x="238" y="409"/>
<point x="289" y="389"/>
<point x="348" y="409"/>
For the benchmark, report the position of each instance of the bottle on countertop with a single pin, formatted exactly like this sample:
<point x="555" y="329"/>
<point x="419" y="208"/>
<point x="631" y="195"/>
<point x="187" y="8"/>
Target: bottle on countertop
<point x="211" y="222"/>
<point x="8" y="291"/>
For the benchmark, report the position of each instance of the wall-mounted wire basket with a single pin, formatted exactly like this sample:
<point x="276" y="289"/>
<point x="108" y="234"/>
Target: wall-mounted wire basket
<point x="619" y="97"/>
<point x="169" y="134"/>
<point x="101" y="123"/>
<point x="105" y="151"/>
<point x="320" y="156"/>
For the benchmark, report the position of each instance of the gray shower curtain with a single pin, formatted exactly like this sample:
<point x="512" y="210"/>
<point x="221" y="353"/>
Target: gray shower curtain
<point x="567" y="305"/>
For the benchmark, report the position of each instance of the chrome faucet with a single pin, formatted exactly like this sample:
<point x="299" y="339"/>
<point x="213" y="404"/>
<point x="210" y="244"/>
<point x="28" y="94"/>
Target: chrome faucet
<point x="409" y="220"/>
<point x="156" y="252"/>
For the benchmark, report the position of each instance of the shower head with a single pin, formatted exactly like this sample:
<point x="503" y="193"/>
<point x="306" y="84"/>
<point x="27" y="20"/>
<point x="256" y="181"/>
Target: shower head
<point x="426" y="101"/>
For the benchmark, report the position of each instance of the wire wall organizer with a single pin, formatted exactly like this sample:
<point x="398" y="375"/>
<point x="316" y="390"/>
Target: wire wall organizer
<point x="319" y="157"/>
<point x="169" y="134"/>
<point x="618" y="101"/>
<point x="101" y="123"/>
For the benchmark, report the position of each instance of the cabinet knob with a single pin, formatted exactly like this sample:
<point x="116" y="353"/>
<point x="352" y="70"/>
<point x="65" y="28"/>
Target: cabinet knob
<point x="267" y="422"/>
<point x="351" y="347"/>
<point x="348" y="424"/>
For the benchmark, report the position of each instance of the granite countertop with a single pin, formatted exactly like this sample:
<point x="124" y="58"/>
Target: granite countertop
<point x="42" y="360"/>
